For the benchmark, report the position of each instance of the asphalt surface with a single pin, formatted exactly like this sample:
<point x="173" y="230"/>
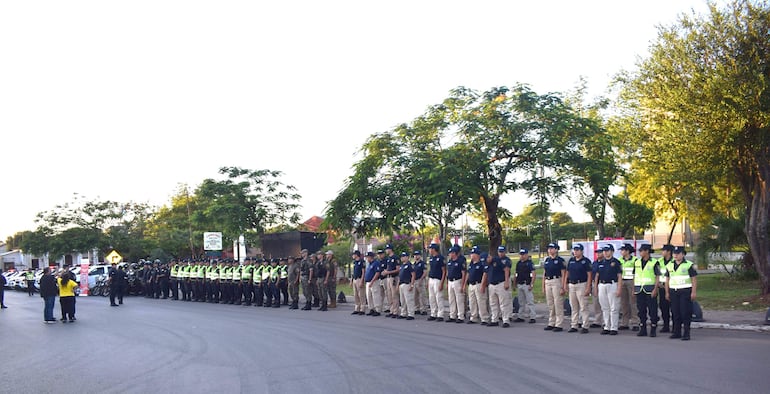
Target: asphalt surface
<point x="149" y="346"/>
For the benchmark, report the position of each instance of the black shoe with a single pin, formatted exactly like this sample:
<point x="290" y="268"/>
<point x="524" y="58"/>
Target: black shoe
<point x="558" y="329"/>
<point x="518" y="320"/>
<point x="450" y="320"/>
<point x="387" y="311"/>
<point x="605" y="332"/>
<point x="401" y="317"/>
<point x="686" y="337"/>
<point x="642" y="332"/>
<point x="531" y="321"/>
<point x="653" y="334"/>
<point x="431" y="318"/>
<point x="3" y="307"/>
<point x="471" y="322"/>
<point x="675" y="336"/>
<point x="113" y="304"/>
<point x="506" y="325"/>
<point x="459" y="321"/>
<point x="635" y="328"/>
<point x="548" y="328"/>
<point x="376" y="314"/>
<point x="394" y="316"/>
<point x="410" y="318"/>
<point x="495" y="324"/>
<point x="622" y="328"/>
<point x="584" y="331"/>
<point x="664" y="330"/>
<point x="484" y="323"/>
<point x="439" y="319"/>
<point x="424" y="313"/>
<point x="572" y="330"/>
<point x="354" y="313"/>
<point x="72" y="320"/>
<point x="594" y="325"/>
<point x="613" y="332"/>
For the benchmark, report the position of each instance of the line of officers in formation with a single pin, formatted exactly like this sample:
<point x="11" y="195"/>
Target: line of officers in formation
<point x="256" y="281"/>
<point x="400" y="288"/>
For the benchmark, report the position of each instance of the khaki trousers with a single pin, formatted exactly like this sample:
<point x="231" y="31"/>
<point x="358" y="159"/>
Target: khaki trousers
<point x="500" y="302"/>
<point x="456" y="300"/>
<point x="436" y="298"/>
<point x="359" y="295"/>
<point x="598" y="316"/>
<point x="628" y="304"/>
<point x="555" y="302"/>
<point x="478" y="302"/>
<point x="421" y="295"/>
<point x="526" y="298"/>
<point x="374" y="296"/>
<point x="578" y="302"/>
<point x="392" y="288"/>
<point x="407" y="300"/>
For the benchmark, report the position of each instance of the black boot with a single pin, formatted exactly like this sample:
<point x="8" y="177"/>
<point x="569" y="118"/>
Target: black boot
<point x="686" y="336"/>
<point x="677" y="332"/>
<point x="316" y="303"/>
<point x="307" y="306"/>
<point x="323" y="307"/>
<point x="294" y="305"/>
<point x="665" y="328"/>
<point x="642" y="330"/>
<point x="653" y="328"/>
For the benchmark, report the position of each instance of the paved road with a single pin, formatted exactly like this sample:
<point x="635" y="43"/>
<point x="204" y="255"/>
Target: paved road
<point x="167" y="346"/>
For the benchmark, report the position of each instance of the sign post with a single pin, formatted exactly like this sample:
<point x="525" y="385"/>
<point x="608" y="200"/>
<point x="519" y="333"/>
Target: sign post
<point x="84" y="267"/>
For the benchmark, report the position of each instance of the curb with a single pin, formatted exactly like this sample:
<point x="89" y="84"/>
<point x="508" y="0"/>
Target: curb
<point x="728" y="326"/>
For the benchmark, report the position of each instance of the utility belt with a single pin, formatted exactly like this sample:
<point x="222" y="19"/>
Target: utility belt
<point x="575" y="282"/>
<point x="403" y="283"/>
<point x="607" y="282"/>
<point x="495" y="283"/>
<point x="452" y="280"/>
<point x="552" y="277"/>
<point x="474" y="283"/>
<point x="524" y="283"/>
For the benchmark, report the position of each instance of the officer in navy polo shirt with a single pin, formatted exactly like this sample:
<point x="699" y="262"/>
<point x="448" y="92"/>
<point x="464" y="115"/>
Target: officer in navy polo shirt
<point x="608" y="274"/>
<point x="406" y="278"/>
<point x="384" y="300"/>
<point x="436" y="278"/>
<point x="391" y="279"/>
<point x="498" y="277"/>
<point x="357" y="281"/>
<point x="579" y="272"/>
<point x="554" y="287"/>
<point x="475" y="289"/>
<point x="372" y="279"/>
<point x="420" y="285"/>
<point x="523" y="282"/>
<point x="456" y="276"/>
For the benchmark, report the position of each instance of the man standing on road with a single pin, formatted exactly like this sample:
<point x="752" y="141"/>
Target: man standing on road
<point x="114" y="282"/>
<point x="293" y="268"/>
<point x="357" y="283"/>
<point x="372" y="279"/>
<point x="284" y="282"/>
<point x="681" y="288"/>
<point x="306" y="277"/>
<point x="30" y="277"/>
<point x="163" y="273"/>
<point x="498" y="277"/>
<point x="475" y="289"/>
<point x="646" y="273"/>
<point x="247" y="284"/>
<point x="525" y="279"/>
<point x="456" y="277"/>
<point x="663" y="303"/>
<point x="436" y="278"/>
<point x="174" y="280"/>
<point x="390" y="272"/>
<point x="3" y="282"/>
<point x="554" y="287"/>
<point x="420" y="285"/>
<point x="331" y="284"/>
<point x="406" y="278"/>
<point x="579" y="272"/>
<point x="323" y="282"/>
<point x="627" y="298"/>
<point x="48" y="291"/>
<point x="608" y="273"/>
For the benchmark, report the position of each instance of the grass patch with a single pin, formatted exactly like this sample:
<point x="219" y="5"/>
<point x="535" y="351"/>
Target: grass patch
<point x="721" y="292"/>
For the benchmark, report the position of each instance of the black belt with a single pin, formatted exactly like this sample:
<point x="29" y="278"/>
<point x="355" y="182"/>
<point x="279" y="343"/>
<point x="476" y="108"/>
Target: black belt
<point x="682" y="289"/>
<point x="606" y="282"/>
<point x="552" y="277"/>
<point x="430" y="277"/>
<point x="574" y="282"/>
<point x="403" y="283"/>
<point x="474" y="283"/>
<point x="522" y="283"/>
<point x="452" y="280"/>
<point x="495" y="283"/>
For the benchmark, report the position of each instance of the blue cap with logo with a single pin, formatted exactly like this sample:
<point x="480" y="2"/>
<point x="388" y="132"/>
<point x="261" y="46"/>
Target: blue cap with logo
<point x="475" y="250"/>
<point x="553" y="245"/>
<point x="577" y="247"/>
<point x="608" y="247"/>
<point x="404" y="254"/>
<point x="501" y="248"/>
<point x="523" y="251"/>
<point x="434" y="247"/>
<point x="417" y="253"/>
<point x="388" y="246"/>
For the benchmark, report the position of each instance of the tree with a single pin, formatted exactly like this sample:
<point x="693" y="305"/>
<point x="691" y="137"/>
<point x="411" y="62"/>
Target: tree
<point x="704" y="90"/>
<point x="630" y="215"/>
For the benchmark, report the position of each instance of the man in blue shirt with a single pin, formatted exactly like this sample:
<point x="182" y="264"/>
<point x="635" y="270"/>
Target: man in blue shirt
<point x="420" y="285"/>
<point x="406" y="278"/>
<point x="357" y="282"/>
<point x="372" y="279"/>
<point x="436" y="278"/>
<point x="391" y="280"/>
<point x="475" y="289"/>
<point x="524" y="280"/>
<point x="498" y="276"/>
<point x="382" y="282"/>
<point x="456" y="276"/>
<point x="554" y="286"/>
<point x="607" y="277"/>
<point x="579" y="272"/>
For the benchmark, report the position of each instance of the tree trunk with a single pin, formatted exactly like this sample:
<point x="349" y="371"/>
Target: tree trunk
<point x="494" y="230"/>
<point x="599" y="223"/>
<point x="673" y="227"/>
<point x="442" y="237"/>
<point x="757" y="231"/>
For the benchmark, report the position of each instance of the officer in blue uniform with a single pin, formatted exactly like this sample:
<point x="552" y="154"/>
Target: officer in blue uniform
<point x="359" y="292"/>
<point x="456" y="276"/>
<point x="681" y="287"/>
<point x="406" y="278"/>
<point x="477" y="295"/>
<point x="497" y="282"/>
<point x="579" y="272"/>
<point x="554" y="287"/>
<point x="372" y="279"/>
<point x="609" y="274"/>
<point x="436" y="278"/>
<point x="420" y="285"/>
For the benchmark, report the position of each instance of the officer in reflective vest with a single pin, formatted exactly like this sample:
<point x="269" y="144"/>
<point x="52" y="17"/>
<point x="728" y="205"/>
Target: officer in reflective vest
<point x="184" y="276"/>
<point x="283" y="283"/>
<point x="202" y="280"/>
<point x="646" y="274"/>
<point x="30" y="276"/>
<point x="627" y="298"/>
<point x="681" y="288"/>
<point x="174" y="276"/>
<point x="229" y="293"/>
<point x="237" y="285"/>
<point x="266" y="269"/>
<point x="259" y="296"/>
<point x="213" y="277"/>
<point x="275" y="294"/>
<point x="665" y="306"/>
<point x="246" y="284"/>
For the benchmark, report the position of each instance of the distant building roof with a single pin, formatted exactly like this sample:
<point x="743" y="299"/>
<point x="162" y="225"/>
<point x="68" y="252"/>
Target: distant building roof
<point x="314" y="223"/>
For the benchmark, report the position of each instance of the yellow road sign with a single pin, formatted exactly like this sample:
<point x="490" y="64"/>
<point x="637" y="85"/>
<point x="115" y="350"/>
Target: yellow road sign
<point x="114" y="257"/>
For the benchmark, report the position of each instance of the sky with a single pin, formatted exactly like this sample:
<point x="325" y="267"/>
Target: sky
<point x="125" y="100"/>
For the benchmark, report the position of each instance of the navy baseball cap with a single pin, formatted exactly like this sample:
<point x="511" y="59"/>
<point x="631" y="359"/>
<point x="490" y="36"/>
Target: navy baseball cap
<point x="369" y="254"/>
<point x="553" y="245"/>
<point x="357" y="253"/>
<point x="628" y="247"/>
<point x="680" y="249"/>
<point x="608" y="247"/>
<point x="577" y="247"/>
<point x="380" y="251"/>
<point x="455" y="249"/>
<point x="475" y="250"/>
<point x="433" y="246"/>
<point x="417" y="253"/>
<point x="668" y="247"/>
<point x="388" y="246"/>
<point x="646" y="247"/>
<point x="404" y="254"/>
<point x="523" y="251"/>
<point x="501" y="248"/>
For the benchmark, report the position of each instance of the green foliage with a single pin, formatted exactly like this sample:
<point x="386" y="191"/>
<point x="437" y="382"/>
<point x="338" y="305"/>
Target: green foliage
<point x="630" y="216"/>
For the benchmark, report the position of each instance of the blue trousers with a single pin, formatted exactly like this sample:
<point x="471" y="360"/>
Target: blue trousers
<point x="48" y="309"/>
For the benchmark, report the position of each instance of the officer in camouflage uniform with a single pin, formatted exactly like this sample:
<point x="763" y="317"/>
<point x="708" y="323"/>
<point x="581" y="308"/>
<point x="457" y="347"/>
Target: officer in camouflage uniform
<point x="331" y="283"/>
<point x="306" y="270"/>
<point x="294" y="270"/>
<point x="314" y="282"/>
<point x="322" y="268"/>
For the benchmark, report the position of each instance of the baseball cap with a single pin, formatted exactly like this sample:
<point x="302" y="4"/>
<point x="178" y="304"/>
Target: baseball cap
<point x="608" y="247"/>
<point x="388" y="246"/>
<point x="417" y="253"/>
<point x="553" y="245"/>
<point x="433" y="246"/>
<point x="475" y="250"/>
<point x="523" y="251"/>
<point x="646" y="247"/>
<point x="404" y="254"/>
<point x="668" y="247"/>
<point x="369" y="254"/>
<point x="501" y="248"/>
<point x="680" y="249"/>
<point x="577" y="247"/>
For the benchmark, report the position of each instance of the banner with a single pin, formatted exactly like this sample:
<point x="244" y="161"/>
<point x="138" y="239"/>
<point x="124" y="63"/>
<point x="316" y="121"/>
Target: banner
<point x="84" y="267"/>
<point x="212" y="241"/>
